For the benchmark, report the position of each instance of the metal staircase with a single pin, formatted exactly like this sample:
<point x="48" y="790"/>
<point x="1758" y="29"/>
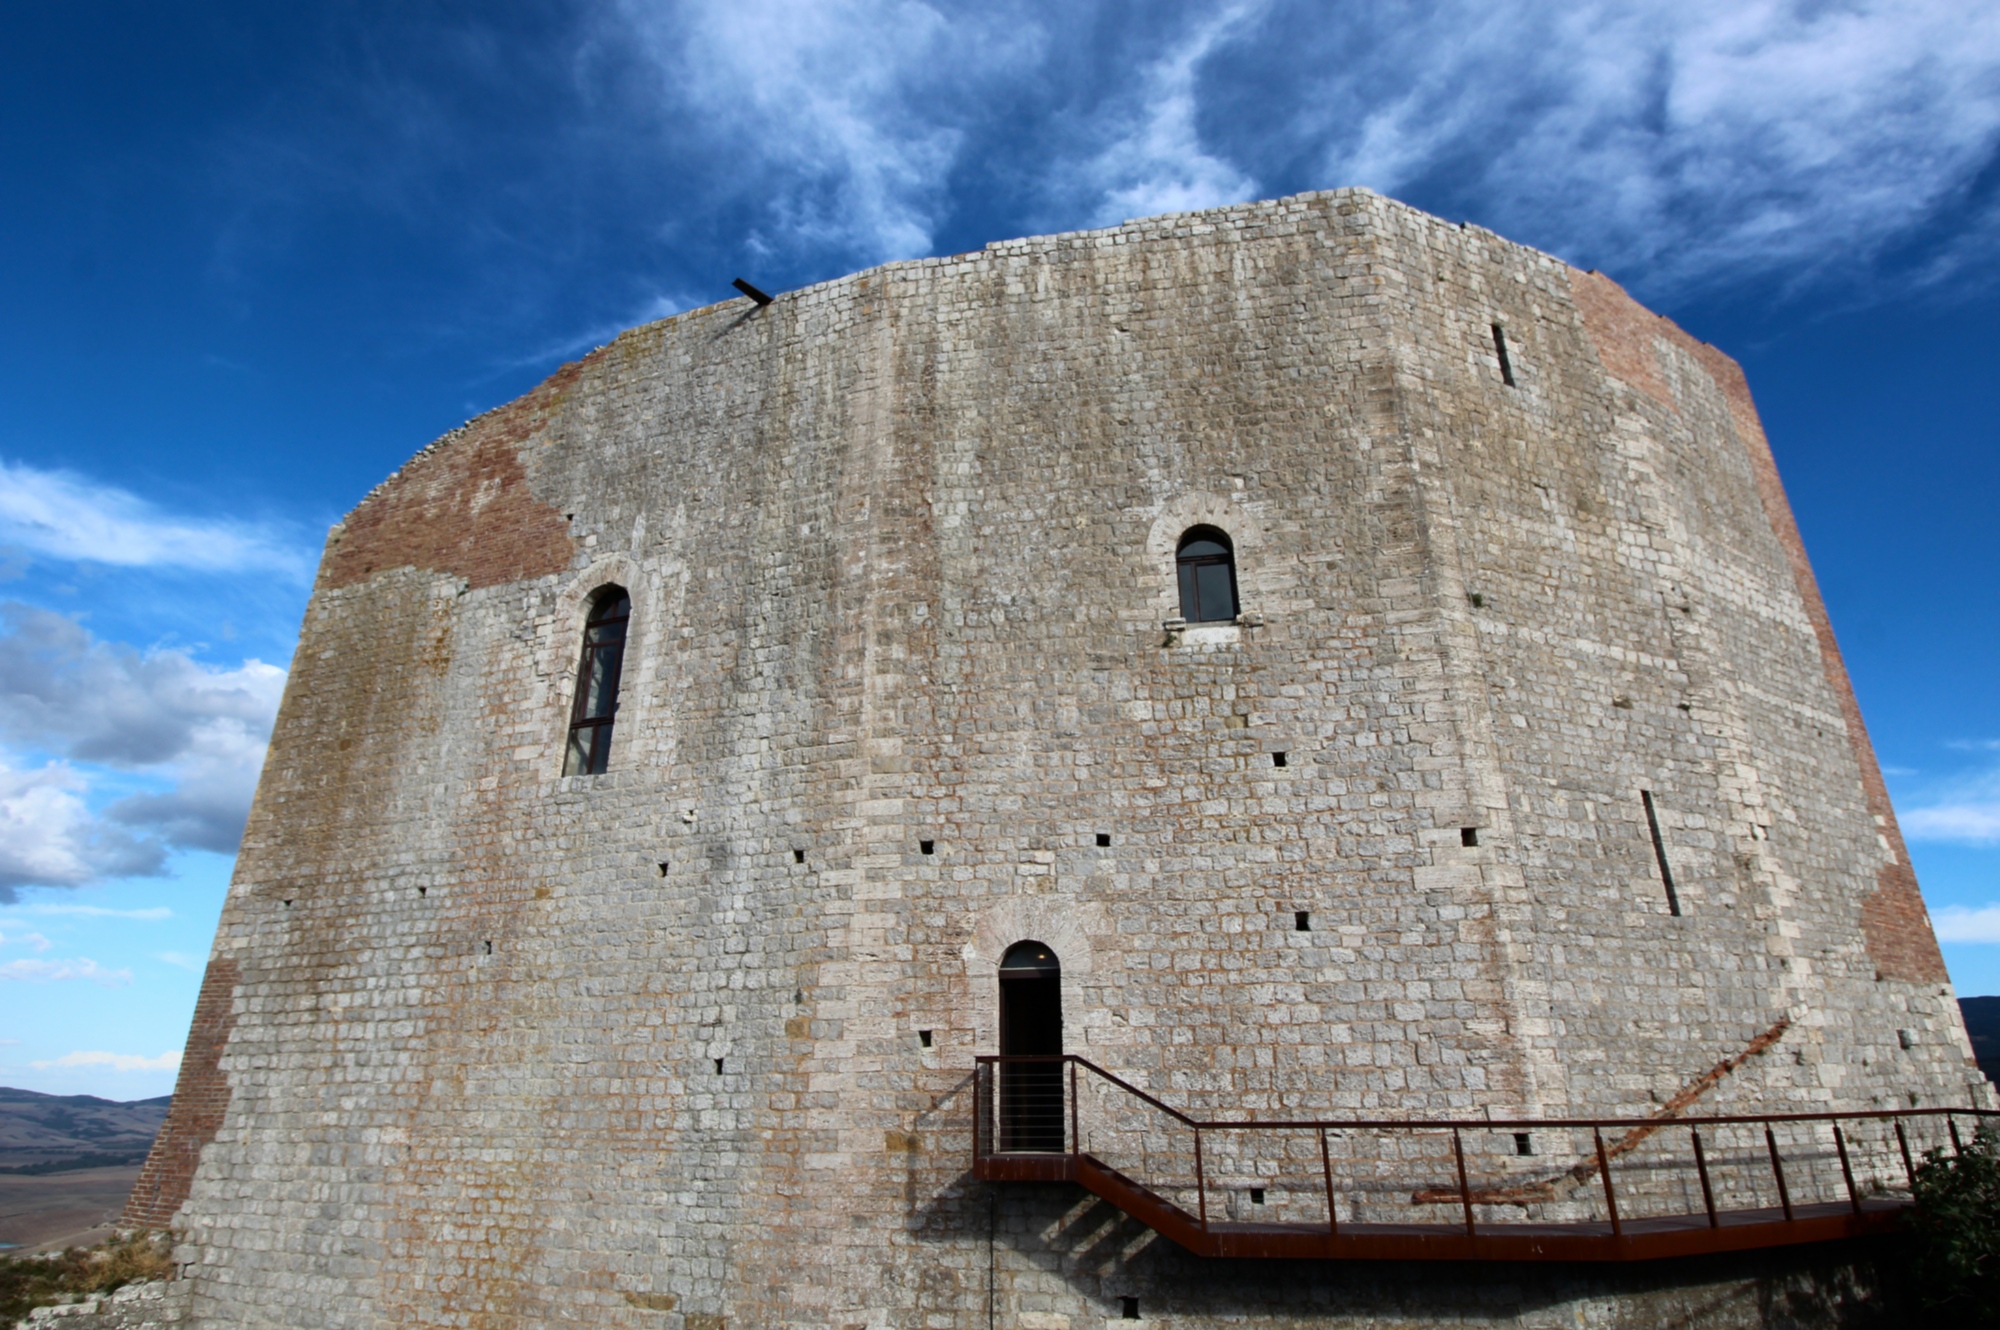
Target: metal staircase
<point x="1474" y="1189"/>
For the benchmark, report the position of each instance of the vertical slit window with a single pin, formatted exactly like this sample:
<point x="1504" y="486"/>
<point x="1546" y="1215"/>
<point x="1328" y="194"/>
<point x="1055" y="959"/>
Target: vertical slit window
<point x="596" y="707"/>
<point x="1500" y="349"/>
<point x="1206" y="562"/>
<point x="1660" y="851"/>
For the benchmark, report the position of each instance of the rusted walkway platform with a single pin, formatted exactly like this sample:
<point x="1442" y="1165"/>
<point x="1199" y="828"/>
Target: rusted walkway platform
<point x="1052" y="1109"/>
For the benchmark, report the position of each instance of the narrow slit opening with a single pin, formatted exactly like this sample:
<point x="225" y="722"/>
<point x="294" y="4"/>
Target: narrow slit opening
<point x="718" y="1066"/>
<point x="1523" y="1143"/>
<point x="1302" y="921"/>
<point x="1500" y="349"/>
<point x="924" y="1038"/>
<point x="663" y="868"/>
<point x="798" y="856"/>
<point x="489" y="946"/>
<point x="1660" y="852"/>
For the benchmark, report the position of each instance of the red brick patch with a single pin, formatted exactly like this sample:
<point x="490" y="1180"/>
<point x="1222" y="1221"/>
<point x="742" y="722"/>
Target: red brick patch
<point x="1893" y="919"/>
<point x="463" y="505"/>
<point x="201" y="1097"/>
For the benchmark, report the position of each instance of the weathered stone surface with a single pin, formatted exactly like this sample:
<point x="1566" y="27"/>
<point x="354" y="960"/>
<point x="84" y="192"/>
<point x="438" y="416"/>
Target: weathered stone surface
<point x="153" y="1306"/>
<point x="512" y="1048"/>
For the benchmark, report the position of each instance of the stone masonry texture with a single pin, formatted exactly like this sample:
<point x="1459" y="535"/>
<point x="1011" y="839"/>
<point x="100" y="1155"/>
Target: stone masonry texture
<point x="487" y="1046"/>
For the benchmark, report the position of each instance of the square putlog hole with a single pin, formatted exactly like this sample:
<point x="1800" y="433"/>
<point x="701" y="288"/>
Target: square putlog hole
<point x="1103" y="840"/>
<point x="927" y="846"/>
<point x="1468" y="836"/>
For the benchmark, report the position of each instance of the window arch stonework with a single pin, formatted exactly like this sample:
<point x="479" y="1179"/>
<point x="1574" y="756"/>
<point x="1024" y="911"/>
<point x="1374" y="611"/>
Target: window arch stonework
<point x="599" y="681"/>
<point x="1234" y="516"/>
<point x="637" y="739"/>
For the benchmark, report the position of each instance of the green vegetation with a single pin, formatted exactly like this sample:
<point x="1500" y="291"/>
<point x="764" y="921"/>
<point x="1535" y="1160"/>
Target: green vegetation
<point x="28" y="1282"/>
<point x="1955" y="1254"/>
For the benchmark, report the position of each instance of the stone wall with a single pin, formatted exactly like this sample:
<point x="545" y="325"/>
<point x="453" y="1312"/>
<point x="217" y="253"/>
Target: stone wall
<point x="688" y="1043"/>
<point x="155" y="1306"/>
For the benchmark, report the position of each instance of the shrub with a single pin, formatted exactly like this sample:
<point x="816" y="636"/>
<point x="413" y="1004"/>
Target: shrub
<point x="28" y="1282"/>
<point x="1955" y="1249"/>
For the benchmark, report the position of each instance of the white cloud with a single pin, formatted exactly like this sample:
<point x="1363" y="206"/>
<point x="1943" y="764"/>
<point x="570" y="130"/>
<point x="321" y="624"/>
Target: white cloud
<point x="181" y="960"/>
<point x="842" y="119"/>
<point x="1159" y="164"/>
<point x="1966" y="811"/>
<point x="1968" y="822"/>
<point x="98" y="911"/>
<point x="52" y="972"/>
<point x="1956" y="923"/>
<point x="167" y="1061"/>
<point x="65" y="516"/>
<point x="162" y="714"/>
<point x="1672" y="141"/>
<point x="48" y="836"/>
<point x="1684" y="138"/>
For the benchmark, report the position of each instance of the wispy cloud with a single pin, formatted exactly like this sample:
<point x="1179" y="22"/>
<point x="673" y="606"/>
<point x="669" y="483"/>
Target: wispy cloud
<point x="55" y="972"/>
<point x="1675" y="141"/>
<point x="87" y="702"/>
<point x="181" y="960"/>
<point x="843" y="121"/>
<point x="1681" y="141"/>
<point x="1159" y="163"/>
<point x="1957" y="923"/>
<point x="97" y="911"/>
<point x="61" y="515"/>
<point x="167" y="1061"/>
<point x="1965" y="810"/>
<point x="568" y="347"/>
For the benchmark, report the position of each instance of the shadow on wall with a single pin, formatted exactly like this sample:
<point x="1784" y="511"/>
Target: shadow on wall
<point x="1056" y="1233"/>
<point x="1982" y="1023"/>
<point x="1043" y="1237"/>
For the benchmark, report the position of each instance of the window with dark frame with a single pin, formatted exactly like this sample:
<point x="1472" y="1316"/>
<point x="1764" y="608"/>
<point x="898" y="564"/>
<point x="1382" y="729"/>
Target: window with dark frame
<point x="1206" y="562"/>
<point x="596" y="706"/>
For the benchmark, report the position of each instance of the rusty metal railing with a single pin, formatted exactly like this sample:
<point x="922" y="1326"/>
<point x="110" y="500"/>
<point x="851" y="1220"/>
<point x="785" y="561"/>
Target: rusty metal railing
<point x="1610" y="1188"/>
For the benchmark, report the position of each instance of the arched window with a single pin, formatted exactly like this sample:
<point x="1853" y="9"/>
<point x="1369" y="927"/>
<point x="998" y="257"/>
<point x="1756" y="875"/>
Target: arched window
<point x="1031" y="1093"/>
<point x="596" y="706"/>
<point x="1207" y="565"/>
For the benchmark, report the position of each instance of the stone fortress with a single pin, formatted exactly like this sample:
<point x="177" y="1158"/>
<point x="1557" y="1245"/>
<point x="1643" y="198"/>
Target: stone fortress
<point x="1373" y="662"/>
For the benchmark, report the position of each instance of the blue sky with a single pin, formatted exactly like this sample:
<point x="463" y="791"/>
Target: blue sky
<point x="260" y="254"/>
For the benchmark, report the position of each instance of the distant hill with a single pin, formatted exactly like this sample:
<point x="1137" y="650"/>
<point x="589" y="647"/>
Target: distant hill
<point x="1982" y="1022"/>
<point x="50" y="1133"/>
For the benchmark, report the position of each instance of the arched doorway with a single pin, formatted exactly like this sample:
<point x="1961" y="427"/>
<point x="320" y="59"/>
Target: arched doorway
<point x="1031" y="1094"/>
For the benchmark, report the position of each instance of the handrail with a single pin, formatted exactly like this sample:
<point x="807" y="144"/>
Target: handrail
<point x="1032" y="1128"/>
<point x="1404" y="1124"/>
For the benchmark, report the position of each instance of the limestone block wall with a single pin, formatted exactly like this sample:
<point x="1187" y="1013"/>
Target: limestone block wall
<point x="646" y="1048"/>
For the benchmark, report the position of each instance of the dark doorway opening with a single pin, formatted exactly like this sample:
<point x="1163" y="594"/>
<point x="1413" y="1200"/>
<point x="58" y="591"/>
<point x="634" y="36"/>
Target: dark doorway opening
<point x="1031" y="1093"/>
